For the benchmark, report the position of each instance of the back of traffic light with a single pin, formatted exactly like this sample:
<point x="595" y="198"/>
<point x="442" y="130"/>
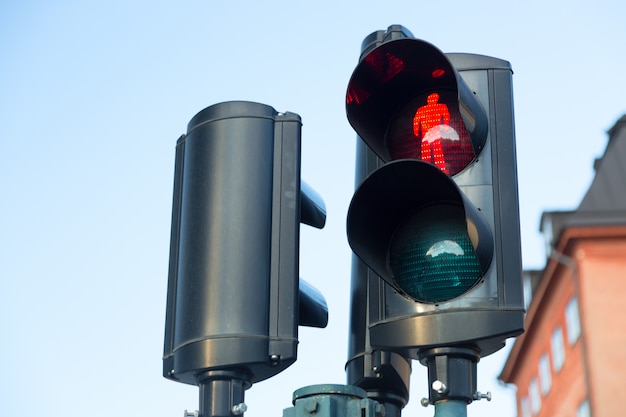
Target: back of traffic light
<point x="234" y="298"/>
<point x="383" y="373"/>
<point x="438" y="219"/>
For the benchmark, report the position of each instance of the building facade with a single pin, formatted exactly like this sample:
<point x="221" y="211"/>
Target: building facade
<point x="571" y="361"/>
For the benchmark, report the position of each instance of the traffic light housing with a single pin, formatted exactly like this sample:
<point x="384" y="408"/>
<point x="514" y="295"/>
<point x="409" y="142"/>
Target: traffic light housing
<point x="437" y="218"/>
<point x="234" y="297"/>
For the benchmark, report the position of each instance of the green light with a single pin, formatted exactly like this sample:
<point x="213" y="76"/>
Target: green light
<point x="431" y="256"/>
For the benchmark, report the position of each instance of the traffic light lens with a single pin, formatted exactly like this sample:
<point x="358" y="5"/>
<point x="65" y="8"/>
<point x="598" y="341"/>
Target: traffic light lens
<point x="431" y="128"/>
<point x="431" y="256"/>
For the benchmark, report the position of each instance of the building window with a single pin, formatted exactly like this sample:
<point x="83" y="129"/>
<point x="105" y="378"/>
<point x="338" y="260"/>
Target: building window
<point x="545" y="374"/>
<point x="558" y="349"/>
<point x="572" y="321"/>
<point x="583" y="409"/>
<point x="525" y="406"/>
<point x="535" y="397"/>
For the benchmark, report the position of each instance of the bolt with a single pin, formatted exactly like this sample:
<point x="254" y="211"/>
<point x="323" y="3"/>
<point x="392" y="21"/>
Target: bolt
<point x="439" y="387"/>
<point x="310" y="405"/>
<point x="274" y="358"/>
<point x="425" y="402"/>
<point x="239" y="409"/>
<point x="190" y="413"/>
<point x="479" y="396"/>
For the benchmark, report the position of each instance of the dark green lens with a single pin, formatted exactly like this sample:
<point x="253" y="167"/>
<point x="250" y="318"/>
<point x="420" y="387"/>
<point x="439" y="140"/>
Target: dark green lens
<point x="431" y="256"/>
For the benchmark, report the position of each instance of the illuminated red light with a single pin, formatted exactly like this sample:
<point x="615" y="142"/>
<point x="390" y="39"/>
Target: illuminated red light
<point x="431" y="129"/>
<point x="432" y="119"/>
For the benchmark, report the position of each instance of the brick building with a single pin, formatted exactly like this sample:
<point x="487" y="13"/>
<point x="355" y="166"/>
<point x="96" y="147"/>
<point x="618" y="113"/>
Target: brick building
<point x="571" y="361"/>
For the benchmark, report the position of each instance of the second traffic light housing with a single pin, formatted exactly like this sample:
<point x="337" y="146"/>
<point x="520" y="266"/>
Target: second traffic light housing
<point x="438" y="220"/>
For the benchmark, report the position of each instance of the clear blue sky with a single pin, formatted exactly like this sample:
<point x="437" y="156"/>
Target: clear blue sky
<point x="93" y="96"/>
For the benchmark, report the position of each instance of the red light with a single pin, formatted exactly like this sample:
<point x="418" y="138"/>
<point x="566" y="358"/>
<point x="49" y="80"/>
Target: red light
<point x="433" y="118"/>
<point x="431" y="129"/>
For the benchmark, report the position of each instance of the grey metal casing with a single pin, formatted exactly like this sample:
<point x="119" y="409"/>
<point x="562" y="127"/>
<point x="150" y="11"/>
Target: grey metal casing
<point x="493" y="310"/>
<point x="233" y="275"/>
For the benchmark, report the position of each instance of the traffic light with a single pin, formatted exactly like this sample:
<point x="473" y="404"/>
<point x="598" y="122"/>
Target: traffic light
<point x="437" y="218"/>
<point x="234" y="297"/>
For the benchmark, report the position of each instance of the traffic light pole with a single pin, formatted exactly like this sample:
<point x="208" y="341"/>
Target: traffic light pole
<point x="451" y="379"/>
<point x="222" y="393"/>
<point x="452" y="408"/>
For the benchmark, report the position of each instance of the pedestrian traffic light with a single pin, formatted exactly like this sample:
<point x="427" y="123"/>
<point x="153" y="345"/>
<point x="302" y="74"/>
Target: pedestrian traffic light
<point x="234" y="296"/>
<point x="437" y="218"/>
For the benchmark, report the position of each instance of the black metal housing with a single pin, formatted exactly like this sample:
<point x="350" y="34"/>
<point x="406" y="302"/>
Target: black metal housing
<point x="492" y="310"/>
<point x="234" y="298"/>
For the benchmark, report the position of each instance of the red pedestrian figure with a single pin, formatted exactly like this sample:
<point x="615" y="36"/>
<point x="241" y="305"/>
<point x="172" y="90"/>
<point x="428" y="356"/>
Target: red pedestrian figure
<point x="432" y="123"/>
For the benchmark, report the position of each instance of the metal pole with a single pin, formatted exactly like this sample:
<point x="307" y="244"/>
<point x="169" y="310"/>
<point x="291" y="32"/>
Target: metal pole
<point x="451" y="379"/>
<point x="222" y="394"/>
<point x="451" y="408"/>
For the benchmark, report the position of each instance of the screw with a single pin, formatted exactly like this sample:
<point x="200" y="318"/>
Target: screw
<point x="425" y="402"/>
<point x="239" y="409"/>
<point x="190" y="413"/>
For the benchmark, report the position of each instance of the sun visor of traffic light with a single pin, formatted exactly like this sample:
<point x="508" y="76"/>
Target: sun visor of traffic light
<point x="411" y="224"/>
<point x="313" y="310"/>
<point x="392" y="77"/>
<point x="312" y="207"/>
